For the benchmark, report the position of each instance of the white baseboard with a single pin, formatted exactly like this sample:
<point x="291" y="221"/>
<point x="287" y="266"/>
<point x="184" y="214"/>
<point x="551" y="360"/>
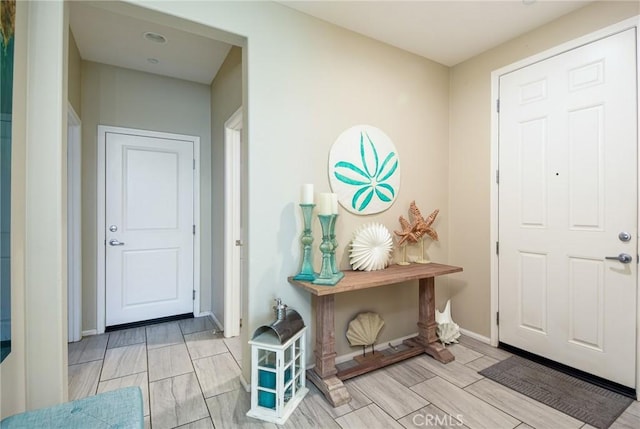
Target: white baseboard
<point x="89" y="332"/>
<point x="475" y="336"/>
<point x="216" y="321"/>
<point x="378" y="347"/>
<point x="349" y="356"/>
<point x="213" y="318"/>
<point x="247" y="386"/>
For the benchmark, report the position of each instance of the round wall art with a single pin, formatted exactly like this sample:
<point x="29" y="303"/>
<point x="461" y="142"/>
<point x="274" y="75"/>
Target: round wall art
<point x="364" y="170"/>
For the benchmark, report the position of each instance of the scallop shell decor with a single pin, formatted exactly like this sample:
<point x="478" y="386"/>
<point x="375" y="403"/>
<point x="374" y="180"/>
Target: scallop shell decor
<point x="371" y="248"/>
<point x="364" y="329"/>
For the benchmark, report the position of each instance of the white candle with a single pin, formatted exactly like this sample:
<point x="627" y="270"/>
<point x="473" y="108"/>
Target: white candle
<point x="306" y="194"/>
<point x="324" y="204"/>
<point x="334" y="203"/>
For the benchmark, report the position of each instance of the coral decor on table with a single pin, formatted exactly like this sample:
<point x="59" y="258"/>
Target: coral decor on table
<point x="414" y="231"/>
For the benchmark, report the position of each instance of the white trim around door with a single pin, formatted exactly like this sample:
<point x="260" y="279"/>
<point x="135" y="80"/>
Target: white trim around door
<point x="101" y="219"/>
<point x="631" y="23"/>
<point x="232" y="224"/>
<point x="74" y="225"/>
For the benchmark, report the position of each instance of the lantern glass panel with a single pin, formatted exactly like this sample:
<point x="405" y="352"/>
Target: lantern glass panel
<point x="288" y="393"/>
<point x="288" y="354"/>
<point x="298" y="365"/>
<point x="266" y="358"/>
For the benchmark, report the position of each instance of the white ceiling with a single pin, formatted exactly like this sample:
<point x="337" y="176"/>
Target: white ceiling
<point x="106" y="37"/>
<point x="447" y="32"/>
<point x="444" y="31"/>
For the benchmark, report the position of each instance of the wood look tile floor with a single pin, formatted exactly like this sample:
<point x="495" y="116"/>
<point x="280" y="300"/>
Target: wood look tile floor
<point x="190" y="378"/>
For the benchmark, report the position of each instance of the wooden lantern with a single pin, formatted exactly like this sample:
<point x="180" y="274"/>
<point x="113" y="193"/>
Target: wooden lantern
<point x="277" y="375"/>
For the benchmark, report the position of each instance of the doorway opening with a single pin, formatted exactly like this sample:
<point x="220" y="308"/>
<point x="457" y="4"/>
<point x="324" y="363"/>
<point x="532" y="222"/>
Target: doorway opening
<point x="149" y="108"/>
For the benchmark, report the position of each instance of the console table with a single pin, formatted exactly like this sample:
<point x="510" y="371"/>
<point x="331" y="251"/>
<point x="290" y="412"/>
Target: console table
<point x="325" y="375"/>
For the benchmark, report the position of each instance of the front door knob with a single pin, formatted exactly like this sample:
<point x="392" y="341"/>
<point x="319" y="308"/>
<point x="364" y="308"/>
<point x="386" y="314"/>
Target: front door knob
<point x="623" y="257"/>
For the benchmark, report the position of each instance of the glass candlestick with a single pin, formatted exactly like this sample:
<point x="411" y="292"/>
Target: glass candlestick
<point x="306" y="271"/>
<point x="326" y="276"/>
<point x="332" y="236"/>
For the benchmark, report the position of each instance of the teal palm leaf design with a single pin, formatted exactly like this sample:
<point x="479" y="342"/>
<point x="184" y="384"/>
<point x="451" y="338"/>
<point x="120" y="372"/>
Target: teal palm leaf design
<point x="370" y="177"/>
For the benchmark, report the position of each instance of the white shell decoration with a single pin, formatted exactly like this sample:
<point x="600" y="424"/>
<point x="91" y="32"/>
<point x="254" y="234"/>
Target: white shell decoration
<point x="364" y="329"/>
<point x="448" y="331"/>
<point x="371" y="248"/>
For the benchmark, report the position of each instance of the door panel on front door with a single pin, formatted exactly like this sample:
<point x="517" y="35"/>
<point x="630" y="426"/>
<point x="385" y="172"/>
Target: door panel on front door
<point x="149" y="214"/>
<point x="568" y="187"/>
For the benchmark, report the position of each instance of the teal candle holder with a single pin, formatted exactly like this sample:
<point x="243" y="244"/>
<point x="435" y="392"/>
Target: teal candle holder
<point x="306" y="270"/>
<point x="337" y="274"/>
<point x="326" y="276"/>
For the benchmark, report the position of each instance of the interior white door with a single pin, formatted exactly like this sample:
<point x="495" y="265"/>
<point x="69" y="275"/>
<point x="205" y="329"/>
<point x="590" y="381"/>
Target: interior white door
<point x="568" y="188"/>
<point x="149" y="227"/>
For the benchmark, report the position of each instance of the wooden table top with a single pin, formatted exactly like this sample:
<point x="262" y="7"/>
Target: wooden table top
<point x="357" y="280"/>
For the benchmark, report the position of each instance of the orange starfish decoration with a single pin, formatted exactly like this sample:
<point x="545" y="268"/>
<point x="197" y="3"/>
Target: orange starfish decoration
<point x="414" y="231"/>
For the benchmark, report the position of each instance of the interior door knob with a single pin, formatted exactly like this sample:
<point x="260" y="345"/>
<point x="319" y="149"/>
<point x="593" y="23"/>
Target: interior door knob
<point x="624" y="236"/>
<point x="115" y="242"/>
<point x="623" y="257"/>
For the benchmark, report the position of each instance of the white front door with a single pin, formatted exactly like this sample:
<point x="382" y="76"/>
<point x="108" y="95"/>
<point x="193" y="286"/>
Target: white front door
<point x="149" y="227"/>
<point x="568" y="188"/>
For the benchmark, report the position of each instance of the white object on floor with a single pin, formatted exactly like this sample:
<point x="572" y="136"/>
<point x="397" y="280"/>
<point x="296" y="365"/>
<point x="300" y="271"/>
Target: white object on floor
<point x="448" y="331"/>
<point x="278" y="382"/>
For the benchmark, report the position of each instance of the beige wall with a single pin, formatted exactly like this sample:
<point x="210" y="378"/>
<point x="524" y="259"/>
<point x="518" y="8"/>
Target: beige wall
<point x="307" y="81"/>
<point x="226" y="98"/>
<point x="34" y="375"/>
<point x="127" y="98"/>
<point x="12" y="369"/>
<point x="470" y="153"/>
<point x="75" y="74"/>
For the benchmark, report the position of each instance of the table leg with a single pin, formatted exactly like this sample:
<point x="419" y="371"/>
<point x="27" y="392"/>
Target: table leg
<point x="324" y="373"/>
<point x="427" y="322"/>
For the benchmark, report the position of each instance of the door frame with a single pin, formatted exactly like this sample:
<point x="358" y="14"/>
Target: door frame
<point x="74" y="225"/>
<point x="232" y="223"/>
<point x="101" y="217"/>
<point x="631" y="23"/>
